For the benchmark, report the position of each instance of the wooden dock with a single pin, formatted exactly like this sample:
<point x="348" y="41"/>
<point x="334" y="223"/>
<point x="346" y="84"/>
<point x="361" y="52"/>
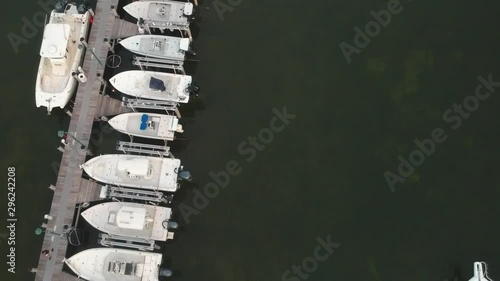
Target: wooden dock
<point x="89" y="104"/>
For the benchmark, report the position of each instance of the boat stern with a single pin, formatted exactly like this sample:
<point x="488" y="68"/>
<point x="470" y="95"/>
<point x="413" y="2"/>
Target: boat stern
<point x="183" y="89"/>
<point x="52" y="100"/>
<point x="169" y="174"/>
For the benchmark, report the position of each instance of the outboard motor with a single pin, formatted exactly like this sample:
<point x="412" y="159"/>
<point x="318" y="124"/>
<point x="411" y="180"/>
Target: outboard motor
<point x="165" y="272"/>
<point x="167" y="199"/>
<point x="82" y="9"/>
<point x="185" y="176"/>
<point x="193" y="90"/>
<point x="191" y="51"/>
<point x="170" y="225"/>
<point x="59" y="7"/>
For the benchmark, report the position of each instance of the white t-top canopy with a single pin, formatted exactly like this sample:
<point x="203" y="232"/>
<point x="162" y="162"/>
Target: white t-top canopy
<point x="138" y="167"/>
<point x="131" y="218"/>
<point x="55" y="40"/>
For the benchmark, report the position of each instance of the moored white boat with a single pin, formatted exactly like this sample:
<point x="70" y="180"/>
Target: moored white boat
<point x="154" y="85"/>
<point x="130" y="220"/>
<point x="147" y="125"/>
<point x="480" y="272"/>
<point x="138" y="171"/>
<point x="162" y="13"/>
<point x="105" y="264"/>
<point x="61" y="54"/>
<point x="158" y="46"/>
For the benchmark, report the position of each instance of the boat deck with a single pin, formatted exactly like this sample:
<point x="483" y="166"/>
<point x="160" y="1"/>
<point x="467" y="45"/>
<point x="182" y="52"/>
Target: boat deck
<point x="70" y="187"/>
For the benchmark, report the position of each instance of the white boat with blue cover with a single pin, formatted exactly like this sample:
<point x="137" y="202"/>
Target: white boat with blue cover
<point x="161" y="14"/>
<point x="61" y="54"/>
<point x="130" y="220"/>
<point x="152" y="85"/>
<point x="147" y="125"/>
<point x="158" y="46"/>
<point x="112" y="264"/>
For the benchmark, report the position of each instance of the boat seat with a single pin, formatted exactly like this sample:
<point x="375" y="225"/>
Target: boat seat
<point x="156" y="46"/>
<point x="151" y="125"/>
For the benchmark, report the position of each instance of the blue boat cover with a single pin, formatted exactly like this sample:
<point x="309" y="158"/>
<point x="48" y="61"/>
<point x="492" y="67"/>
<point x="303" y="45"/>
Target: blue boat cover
<point x="156" y="84"/>
<point x="144" y="118"/>
<point x="144" y="125"/>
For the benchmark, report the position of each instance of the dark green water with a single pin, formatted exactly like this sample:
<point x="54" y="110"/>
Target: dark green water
<point x="323" y="174"/>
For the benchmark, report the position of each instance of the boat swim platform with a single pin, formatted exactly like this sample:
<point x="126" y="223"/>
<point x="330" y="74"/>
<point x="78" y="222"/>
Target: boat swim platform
<point x="71" y="189"/>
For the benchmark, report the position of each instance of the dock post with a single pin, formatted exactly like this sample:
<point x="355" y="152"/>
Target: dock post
<point x="177" y="112"/>
<point x="114" y="12"/>
<point x="52" y="187"/>
<point x="48" y="217"/>
<point x="106" y="41"/>
<point x="33" y="270"/>
<point x="188" y="31"/>
<point x="81" y="75"/>
<point x="82" y="40"/>
<point x="68" y="112"/>
<point x="91" y="12"/>
<point x="195" y="3"/>
<point x="99" y="76"/>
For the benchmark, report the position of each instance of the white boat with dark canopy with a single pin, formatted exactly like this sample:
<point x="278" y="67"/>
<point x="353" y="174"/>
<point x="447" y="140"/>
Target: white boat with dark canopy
<point x="138" y="171"/>
<point x="105" y="264"/>
<point x="131" y="220"/>
<point x="162" y="86"/>
<point x="61" y="54"/>
<point x="158" y="46"/>
<point x="147" y="125"/>
<point x="162" y="14"/>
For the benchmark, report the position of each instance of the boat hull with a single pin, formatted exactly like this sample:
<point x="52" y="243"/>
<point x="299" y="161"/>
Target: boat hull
<point x="164" y="126"/>
<point x="145" y="172"/>
<point x="104" y="264"/>
<point x="137" y="83"/>
<point x="162" y="13"/>
<point x="56" y="90"/>
<point x="129" y="220"/>
<point x="157" y="46"/>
